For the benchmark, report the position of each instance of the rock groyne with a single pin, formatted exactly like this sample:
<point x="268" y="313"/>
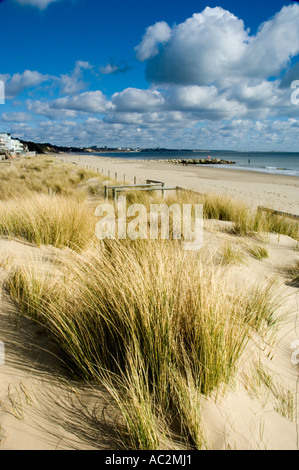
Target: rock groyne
<point x="199" y="161"/>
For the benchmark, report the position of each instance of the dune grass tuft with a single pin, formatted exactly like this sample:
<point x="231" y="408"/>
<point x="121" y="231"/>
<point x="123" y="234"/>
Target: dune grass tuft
<point x="232" y="255"/>
<point x="44" y="220"/>
<point x="247" y="221"/>
<point x="257" y="251"/>
<point x="41" y="175"/>
<point x="165" y="326"/>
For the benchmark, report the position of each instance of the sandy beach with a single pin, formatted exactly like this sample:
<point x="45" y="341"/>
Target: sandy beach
<point x="255" y="189"/>
<point x="42" y="408"/>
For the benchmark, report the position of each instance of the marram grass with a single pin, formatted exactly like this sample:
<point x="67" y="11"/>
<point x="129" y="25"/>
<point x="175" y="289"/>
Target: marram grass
<point x="41" y="175"/>
<point x="44" y="220"/>
<point x="161" y="326"/>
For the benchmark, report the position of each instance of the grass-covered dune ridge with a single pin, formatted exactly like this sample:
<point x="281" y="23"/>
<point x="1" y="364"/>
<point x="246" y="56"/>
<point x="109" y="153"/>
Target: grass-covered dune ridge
<point x="39" y="175"/>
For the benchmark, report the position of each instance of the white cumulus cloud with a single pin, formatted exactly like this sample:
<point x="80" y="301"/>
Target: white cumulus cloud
<point x="18" y="82"/>
<point x="213" y="47"/>
<point x="136" y="100"/>
<point x="71" y="84"/>
<point x="108" y="69"/>
<point x="16" y="117"/>
<point x="42" y="108"/>
<point x="212" y="82"/>
<point x="157" y="34"/>
<point x="88" y="102"/>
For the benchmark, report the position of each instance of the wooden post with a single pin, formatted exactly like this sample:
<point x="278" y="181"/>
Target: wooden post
<point x="108" y="174"/>
<point x="106" y="192"/>
<point x="116" y="175"/>
<point x="134" y="179"/>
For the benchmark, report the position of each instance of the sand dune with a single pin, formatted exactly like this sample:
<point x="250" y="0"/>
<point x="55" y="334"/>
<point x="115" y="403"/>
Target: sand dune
<point x="42" y="409"/>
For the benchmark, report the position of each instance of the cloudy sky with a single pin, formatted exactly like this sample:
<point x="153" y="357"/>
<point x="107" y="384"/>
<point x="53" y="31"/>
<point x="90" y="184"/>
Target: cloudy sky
<point x="176" y="74"/>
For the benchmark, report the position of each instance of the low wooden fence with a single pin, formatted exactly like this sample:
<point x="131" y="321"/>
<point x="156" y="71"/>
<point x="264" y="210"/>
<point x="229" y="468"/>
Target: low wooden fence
<point x="272" y="211"/>
<point x="151" y="186"/>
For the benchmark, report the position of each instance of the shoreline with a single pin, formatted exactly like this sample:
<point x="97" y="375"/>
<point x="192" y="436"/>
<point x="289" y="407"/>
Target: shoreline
<point x="278" y="192"/>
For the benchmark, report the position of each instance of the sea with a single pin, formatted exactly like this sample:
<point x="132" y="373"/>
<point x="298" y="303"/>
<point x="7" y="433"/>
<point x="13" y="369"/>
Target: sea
<point x="281" y="163"/>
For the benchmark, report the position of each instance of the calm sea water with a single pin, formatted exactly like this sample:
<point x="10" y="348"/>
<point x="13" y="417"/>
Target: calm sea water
<point x="271" y="162"/>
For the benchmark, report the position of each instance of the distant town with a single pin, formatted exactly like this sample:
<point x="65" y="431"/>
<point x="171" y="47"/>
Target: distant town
<point x="50" y="148"/>
<point x="11" y="147"/>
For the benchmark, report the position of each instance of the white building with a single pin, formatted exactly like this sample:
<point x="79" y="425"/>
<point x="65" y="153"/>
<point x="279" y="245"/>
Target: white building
<point x="18" y="147"/>
<point x="7" y="144"/>
<point x="5" y="141"/>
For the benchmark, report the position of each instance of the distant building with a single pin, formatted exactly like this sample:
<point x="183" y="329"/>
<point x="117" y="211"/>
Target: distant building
<point x="5" y="142"/>
<point x="18" y="147"/>
<point x="8" y="144"/>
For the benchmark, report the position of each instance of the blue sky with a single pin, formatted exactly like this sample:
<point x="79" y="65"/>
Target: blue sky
<point x="176" y="74"/>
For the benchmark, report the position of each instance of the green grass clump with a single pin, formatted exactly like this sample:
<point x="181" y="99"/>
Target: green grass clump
<point x="159" y="325"/>
<point x="246" y="221"/>
<point x="258" y="252"/>
<point x="232" y="255"/>
<point x="271" y="222"/>
<point x="264" y="382"/>
<point x="43" y="220"/>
